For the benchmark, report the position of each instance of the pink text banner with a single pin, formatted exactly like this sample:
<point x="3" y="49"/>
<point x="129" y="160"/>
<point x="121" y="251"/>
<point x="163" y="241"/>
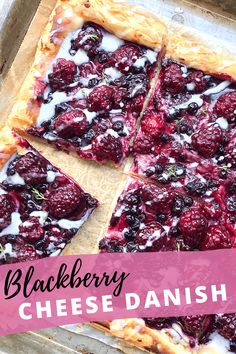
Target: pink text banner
<point x="89" y="288"/>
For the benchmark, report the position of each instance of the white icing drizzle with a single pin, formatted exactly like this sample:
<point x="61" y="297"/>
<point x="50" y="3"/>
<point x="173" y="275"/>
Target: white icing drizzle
<point x="176" y="334"/>
<point x="218" y="344"/>
<point x="150" y="56"/>
<point x="56" y="253"/>
<point x="140" y="62"/>
<point x="2" y="191"/>
<point x="14" y="179"/>
<point x="217" y="88"/>
<point x="191" y="86"/>
<point x="13" y="228"/>
<point x="113" y="73"/>
<point x="89" y="115"/>
<point x="194" y="99"/>
<point x="110" y="43"/>
<point x="71" y="224"/>
<point x="222" y="122"/>
<point x="112" y="133"/>
<point x="47" y="110"/>
<point x="7" y="250"/>
<point x="197" y="97"/>
<point x="80" y="56"/>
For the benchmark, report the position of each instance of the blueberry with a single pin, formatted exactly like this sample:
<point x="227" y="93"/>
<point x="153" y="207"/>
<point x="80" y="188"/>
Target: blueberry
<point x="117" y="126"/>
<point x="142" y="217"/>
<point x="173" y="116"/>
<point x="114" y="220"/>
<point x="196" y="187"/>
<point x="174" y="232"/>
<point x="40" y="97"/>
<point x="131" y="247"/>
<point x="231" y="203"/>
<point x="192" y="108"/>
<point x="161" y="218"/>
<point x="91" y="202"/>
<point x="130" y="235"/>
<point x="103" y="57"/>
<point x="165" y="138"/>
<point x="103" y="243"/>
<point x="188" y="201"/>
<point x="212" y="183"/>
<point x="40" y="245"/>
<point x="150" y="171"/>
<point x="132" y="199"/>
<point x="223" y="174"/>
<point x="89" y="135"/>
<point x="130" y="219"/>
<point x="93" y="82"/>
<point x="133" y="222"/>
<point x="178" y="205"/>
<point x="159" y="168"/>
<point x="232" y="346"/>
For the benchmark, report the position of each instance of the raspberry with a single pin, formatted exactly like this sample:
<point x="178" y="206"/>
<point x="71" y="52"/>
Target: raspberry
<point x="198" y="326"/>
<point x="120" y="97"/>
<point x="31" y="230"/>
<point x="7" y="207"/>
<point x="157" y="199"/>
<point x="226" y="325"/>
<point x="90" y="68"/>
<point x="107" y="147"/>
<point x="62" y="75"/>
<point x="124" y="57"/>
<point x="153" y="124"/>
<point x="151" y="238"/>
<point x="143" y="144"/>
<point x="230" y="153"/>
<point x="32" y="169"/>
<point x="199" y="81"/>
<point x="63" y="201"/>
<point x="137" y="104"/>
<point x="226" y="106"/>
<point x="207" y="140"/>
<point x="72" y="123"/>
<point x="89" y="38"/>
<point x="22" y="253"/>
<point x="101" y="99"/>
<point x="173" y="80"/>
<point x="217" y="237"/>
<point x="193" y="226"/>
<point x="211" y="210"/>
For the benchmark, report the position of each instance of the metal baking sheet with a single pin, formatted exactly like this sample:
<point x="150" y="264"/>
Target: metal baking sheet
<point x="214" y="17"/>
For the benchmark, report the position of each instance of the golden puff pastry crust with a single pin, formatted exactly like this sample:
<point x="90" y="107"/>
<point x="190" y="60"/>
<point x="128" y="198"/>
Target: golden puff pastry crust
<point x="7" y="145"/>
<point x="135" y="332"/>
<point x="199" y="51"/>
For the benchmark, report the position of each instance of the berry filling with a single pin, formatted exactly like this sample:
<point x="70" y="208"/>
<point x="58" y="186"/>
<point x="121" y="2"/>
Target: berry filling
<point x="187" y="130"/>
<point x="94" y="94"/>
<point x="157" y="218"/>
<point x="41" y="209"/>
